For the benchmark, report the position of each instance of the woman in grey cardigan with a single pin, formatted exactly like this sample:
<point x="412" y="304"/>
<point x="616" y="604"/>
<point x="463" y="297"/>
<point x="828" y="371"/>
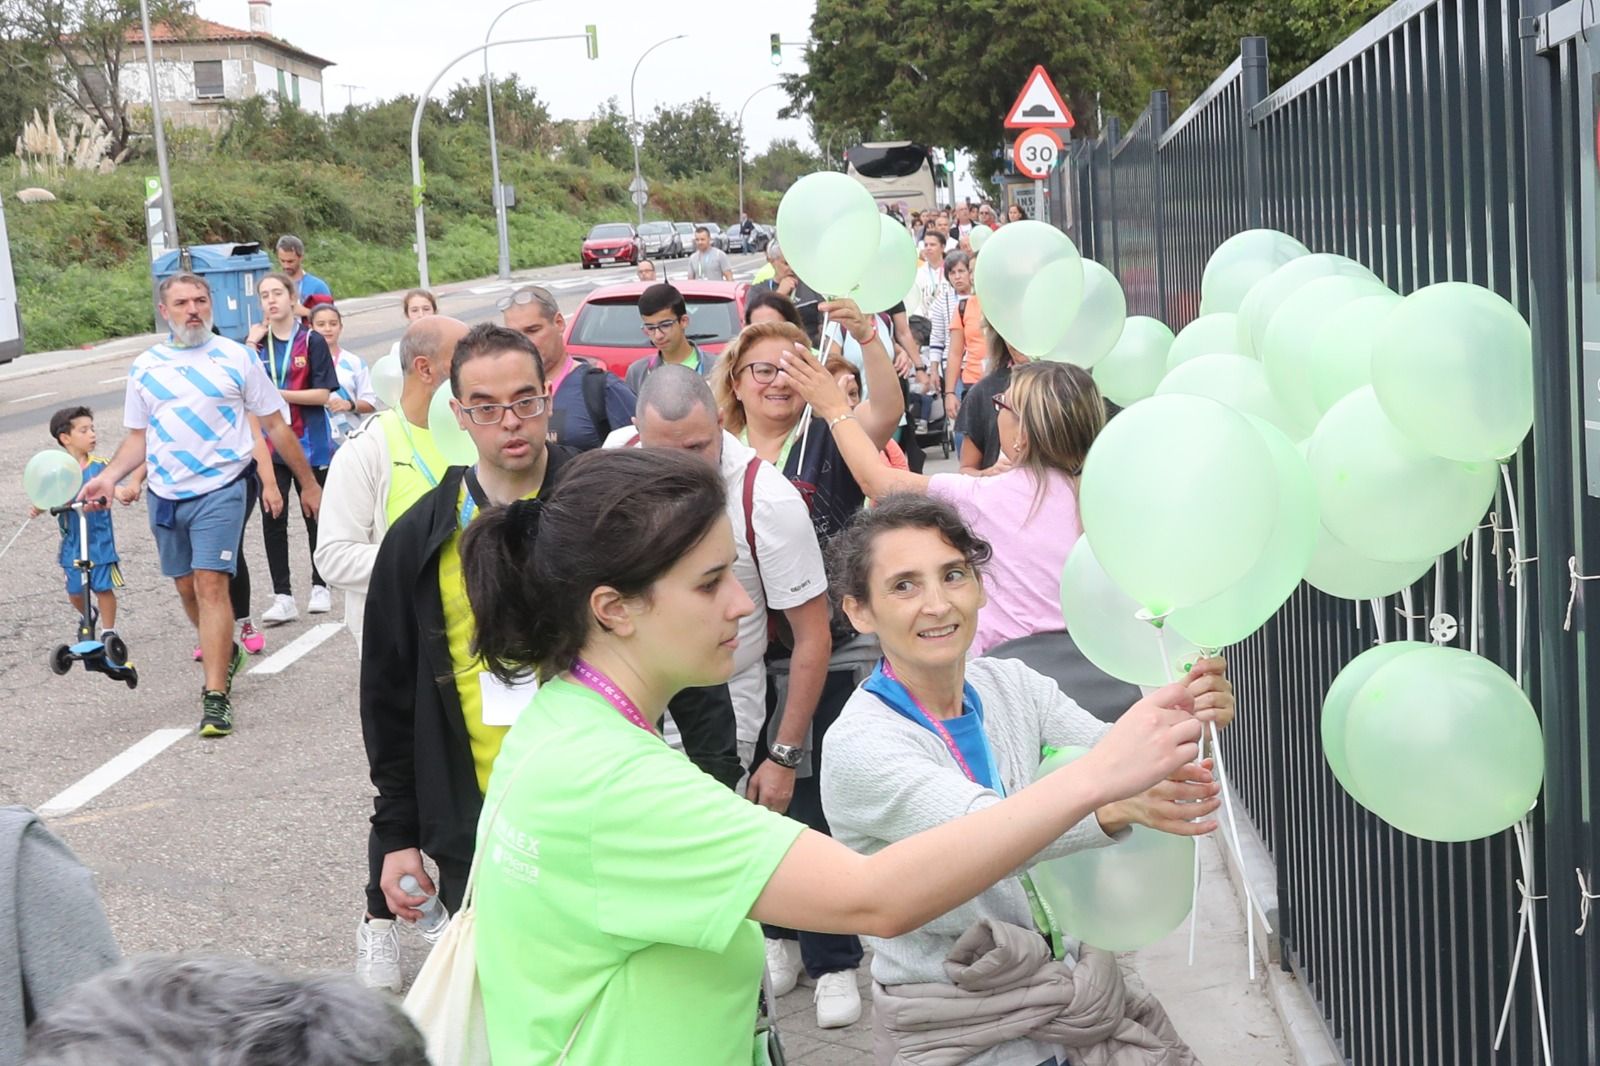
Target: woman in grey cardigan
<point x="931" y="737"/>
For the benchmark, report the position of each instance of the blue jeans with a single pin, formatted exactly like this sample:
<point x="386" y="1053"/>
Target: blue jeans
<point x="961" y="394"/>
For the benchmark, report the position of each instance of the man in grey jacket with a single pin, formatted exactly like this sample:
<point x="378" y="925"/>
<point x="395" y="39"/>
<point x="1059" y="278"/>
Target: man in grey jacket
<point x="51" y="925"/>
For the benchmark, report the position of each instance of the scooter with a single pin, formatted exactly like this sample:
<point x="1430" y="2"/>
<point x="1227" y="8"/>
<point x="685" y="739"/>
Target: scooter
<point x="109" y="657"/>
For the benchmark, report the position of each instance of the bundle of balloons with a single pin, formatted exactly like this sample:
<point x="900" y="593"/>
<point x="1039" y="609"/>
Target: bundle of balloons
<point x="1309" y="425"/>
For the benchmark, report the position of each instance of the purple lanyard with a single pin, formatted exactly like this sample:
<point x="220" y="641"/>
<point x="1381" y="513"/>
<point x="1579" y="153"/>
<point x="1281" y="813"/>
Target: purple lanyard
<point x="600" y="683"/>
<point x="934" y="724"/>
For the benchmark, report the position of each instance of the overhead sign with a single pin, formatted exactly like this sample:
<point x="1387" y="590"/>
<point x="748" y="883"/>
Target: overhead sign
<point x="1039" y="104"/>
<point x="1036" y="153"/>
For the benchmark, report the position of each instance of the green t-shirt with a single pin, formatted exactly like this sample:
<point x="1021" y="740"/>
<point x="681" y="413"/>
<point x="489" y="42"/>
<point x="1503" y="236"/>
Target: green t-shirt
<point x="618" y="883"/>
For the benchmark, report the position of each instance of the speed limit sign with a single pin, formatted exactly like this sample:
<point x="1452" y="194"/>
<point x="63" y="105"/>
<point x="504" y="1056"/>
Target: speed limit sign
<point x="1036" y="152"/>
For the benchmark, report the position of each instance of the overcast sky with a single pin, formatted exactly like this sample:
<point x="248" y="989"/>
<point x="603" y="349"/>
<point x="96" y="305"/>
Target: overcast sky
<point x="391" y="47"/>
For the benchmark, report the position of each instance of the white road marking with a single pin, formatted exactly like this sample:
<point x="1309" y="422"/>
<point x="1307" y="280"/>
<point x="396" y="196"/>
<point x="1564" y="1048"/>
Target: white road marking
<point x="281" y="660"/>
<point x="113" y="381"/>
<point x="119" y="767"/>
<point x="35" y="396"/>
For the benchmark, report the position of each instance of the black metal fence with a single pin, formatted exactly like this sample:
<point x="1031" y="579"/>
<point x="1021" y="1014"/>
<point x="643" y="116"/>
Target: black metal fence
<point x="1446" y="140"/>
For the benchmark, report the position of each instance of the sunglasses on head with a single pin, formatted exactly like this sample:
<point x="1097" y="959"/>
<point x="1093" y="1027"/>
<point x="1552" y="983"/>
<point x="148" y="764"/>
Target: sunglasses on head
<point x="523" y="297"/>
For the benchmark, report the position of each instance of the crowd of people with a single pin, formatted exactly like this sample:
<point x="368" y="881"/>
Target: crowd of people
<point x="692" y="676"/>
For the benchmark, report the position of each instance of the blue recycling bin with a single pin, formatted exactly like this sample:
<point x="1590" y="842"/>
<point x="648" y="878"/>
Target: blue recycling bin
<point x="233" y="272"/>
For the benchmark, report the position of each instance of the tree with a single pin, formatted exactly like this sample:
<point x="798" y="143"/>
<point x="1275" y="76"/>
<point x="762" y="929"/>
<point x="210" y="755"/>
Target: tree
<point x="915" y="68"/>
<point x="84" y="46"/>
<point x="781" y="165"/>
<point x="696" y="138"/>
<point x="521" y="119"/>
<point x="20" y="94"/>
<point x="608" y="136"/>
<point x="1201" y="37"/>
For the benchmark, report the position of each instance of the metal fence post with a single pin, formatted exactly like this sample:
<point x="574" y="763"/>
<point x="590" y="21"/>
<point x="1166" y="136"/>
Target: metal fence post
<point x="1253" y="60"/>
<point x="1111" y="138"/>
<point x="1159" y="119"/>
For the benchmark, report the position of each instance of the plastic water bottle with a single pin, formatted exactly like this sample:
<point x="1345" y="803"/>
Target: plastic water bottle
<point x="434" y="918"/>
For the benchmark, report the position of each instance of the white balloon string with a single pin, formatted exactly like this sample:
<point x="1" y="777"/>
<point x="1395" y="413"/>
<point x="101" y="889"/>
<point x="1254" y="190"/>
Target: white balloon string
<point x="1572" y="590"/>
<point x="1252" y="907"/>
<point x="1378" y="621"/>
<point x="822" y="354"/>
<point x="1405" y="611"/>
<point x="1517" y="559"/>
<point x="1477" y="592"/>
<point x="1194" y="898"/>
<point x="1527" y="933"/>
<point x="1585" y="902"/>
<point x="1438" y="601"/>
<point x="15" y="535"/>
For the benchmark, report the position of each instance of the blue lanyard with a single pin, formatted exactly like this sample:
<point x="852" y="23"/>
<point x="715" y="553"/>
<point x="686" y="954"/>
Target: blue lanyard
<point x="886" y="686"/>
<point x="469" y="505"/>
<point x="421" y="463"/>
<point x="272" y="354"/>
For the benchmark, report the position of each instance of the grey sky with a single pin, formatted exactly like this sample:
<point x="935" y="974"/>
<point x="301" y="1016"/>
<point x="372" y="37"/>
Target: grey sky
<point x="390" y="47"/>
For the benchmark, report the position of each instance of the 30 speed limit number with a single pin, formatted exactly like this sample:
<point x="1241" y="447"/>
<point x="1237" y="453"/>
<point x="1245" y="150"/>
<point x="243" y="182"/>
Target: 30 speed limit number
<point x="1036" y="152"/>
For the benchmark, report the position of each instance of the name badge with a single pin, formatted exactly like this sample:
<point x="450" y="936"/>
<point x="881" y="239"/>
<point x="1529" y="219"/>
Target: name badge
<point x="502" y="703"/>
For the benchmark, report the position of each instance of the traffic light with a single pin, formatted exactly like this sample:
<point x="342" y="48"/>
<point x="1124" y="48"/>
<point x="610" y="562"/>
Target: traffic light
<point x="777" y="49"/>
<point x="593" y="43"/>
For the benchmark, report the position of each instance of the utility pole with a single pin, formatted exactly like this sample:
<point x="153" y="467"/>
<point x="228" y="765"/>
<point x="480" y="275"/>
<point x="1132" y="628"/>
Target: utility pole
<point x="752" y="96"/>
<point x="641" y="191"/>
<point x="168" y="211"/>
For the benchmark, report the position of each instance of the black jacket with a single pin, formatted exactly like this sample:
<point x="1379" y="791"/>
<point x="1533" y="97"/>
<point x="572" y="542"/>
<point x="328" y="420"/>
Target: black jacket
<point x="417" y="746"/>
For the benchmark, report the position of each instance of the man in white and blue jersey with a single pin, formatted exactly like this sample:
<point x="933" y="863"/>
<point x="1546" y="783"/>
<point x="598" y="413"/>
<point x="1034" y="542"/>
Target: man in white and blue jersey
<point x="185" y="415"/>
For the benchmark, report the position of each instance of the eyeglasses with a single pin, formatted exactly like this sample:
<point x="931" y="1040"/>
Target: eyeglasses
<point x="522" y="297"/>
<point x="763" y="373"/>
<point x="1001" y="405"/>
<point x="652" y="328"/>
<point x="490" y="414"/>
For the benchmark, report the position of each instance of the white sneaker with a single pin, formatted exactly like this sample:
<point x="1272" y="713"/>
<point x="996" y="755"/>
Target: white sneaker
<point x="282" y="610"/>
<point x="321" y="601"/>
<point x="378" y="954"/>
<point x="783" y="965"/>
<point x="838" y="1000"/>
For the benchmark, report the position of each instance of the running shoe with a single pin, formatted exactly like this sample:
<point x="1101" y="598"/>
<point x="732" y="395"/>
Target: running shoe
<point x="234" y="666"/>
<point x="321" y="601"/>
<point x="254" y="641"/>
<point x="282" y="610"/>
<point x="216" y="715"/>
<point x="378" y="954"/>
<point x="198" y="654"/>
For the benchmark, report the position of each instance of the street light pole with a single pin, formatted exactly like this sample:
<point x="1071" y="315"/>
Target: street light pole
<point x="416" y="138"/>
<point x="752" y="96"/>
<point x="633" y="119"/>
<point x="494" y="146"/>
<point x="168" y="212"/>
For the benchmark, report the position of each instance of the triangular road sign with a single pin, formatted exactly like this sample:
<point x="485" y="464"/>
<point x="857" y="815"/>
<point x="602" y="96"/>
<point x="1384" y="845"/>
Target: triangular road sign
<point x="1039" y="105"/>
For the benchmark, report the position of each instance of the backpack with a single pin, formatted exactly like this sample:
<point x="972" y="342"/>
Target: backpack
<point x="594" y="385"/>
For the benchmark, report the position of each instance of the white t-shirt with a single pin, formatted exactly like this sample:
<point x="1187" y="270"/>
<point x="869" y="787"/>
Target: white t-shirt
<point x="192" y="402"/>
<point x="791" y="572"/>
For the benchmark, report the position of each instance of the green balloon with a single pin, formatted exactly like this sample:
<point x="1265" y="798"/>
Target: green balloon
<point x="1234" y="380"/>
<point x="1179" y="498"/>
<point x="979" y="237"/>
<point x="453" y="442"/>
<point x="1248" y="604"/>
<point x="1453" y="368"/>
<point x="1215" y="334"/>
<point x="1283" y="352"/>
<point x="388" y="379"/>
<point x="1444" y="745"/>
<point x="1122" y="897"/>
<point x="1383" y="496"/>
<point x="829" y="230"/>
<point x="1268" y="294"/>
<point x="1241" y="261"/>
<point x="1031" y="284"/>
<point x="1339" y="570"/>
<point x="52" y="479"/>
<point x="1136" y="363"/>
<point x="1098" y="325"/>
<point x="1338" y="350"/>
<point x="1336" y="705"/>
<point x="1103" y="622"/>
<point x="893" y="270"/>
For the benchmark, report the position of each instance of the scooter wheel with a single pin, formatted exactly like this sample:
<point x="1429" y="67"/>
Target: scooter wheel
<point x="61" y="659"/>
<point x="117" y="649"/>
<point x="132" y="678"/>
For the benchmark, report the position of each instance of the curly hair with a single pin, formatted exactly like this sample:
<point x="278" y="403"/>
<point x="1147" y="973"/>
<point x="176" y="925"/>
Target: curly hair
<point x="850" y="553"/>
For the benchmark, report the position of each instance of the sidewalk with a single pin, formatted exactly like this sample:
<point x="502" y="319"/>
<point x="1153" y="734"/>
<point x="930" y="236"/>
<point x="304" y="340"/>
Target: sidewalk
<point x="1226" y="1019"/>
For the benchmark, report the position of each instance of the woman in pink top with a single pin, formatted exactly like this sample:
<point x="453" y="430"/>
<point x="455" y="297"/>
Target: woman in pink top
<point x="1026" y="506"/>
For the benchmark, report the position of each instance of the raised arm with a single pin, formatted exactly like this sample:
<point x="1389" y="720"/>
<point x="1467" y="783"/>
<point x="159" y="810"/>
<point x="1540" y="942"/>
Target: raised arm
<point x="880" y="413"/>
<point x="876" y="477"/>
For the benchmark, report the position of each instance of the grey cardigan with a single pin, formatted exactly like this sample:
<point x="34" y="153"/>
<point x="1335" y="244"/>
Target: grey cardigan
<point x="885" y="778"/>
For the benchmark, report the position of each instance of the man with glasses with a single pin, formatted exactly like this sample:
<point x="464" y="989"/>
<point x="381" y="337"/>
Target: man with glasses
<point x="645" y="270"/>
<point x="664" y="318"/>
<point x="586" y="401"/>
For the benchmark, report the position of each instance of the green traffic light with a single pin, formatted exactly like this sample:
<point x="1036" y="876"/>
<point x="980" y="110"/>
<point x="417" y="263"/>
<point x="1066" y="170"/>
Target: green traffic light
<point x="777" y="49"/>
<point x="593" y="42"/>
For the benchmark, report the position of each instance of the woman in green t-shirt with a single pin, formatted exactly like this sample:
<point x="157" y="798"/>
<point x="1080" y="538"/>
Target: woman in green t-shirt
<point x="619" y="886"/>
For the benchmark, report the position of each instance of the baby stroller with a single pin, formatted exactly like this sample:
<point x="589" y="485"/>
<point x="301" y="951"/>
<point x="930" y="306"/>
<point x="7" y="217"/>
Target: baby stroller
<point x="932" y="428"/>
<point x="110" y="656"/>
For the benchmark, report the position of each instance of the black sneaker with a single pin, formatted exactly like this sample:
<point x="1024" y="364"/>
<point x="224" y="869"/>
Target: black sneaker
<point x="235" y="665"/>
<point x="216" y="718"/>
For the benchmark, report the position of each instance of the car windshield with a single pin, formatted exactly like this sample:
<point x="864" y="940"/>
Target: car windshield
<point x="656" y="227"/>
<point x="685" y="227"/>
<point x="712" y="226"/>
<point x="610" y="231"/>
<point x="615" y="323"/>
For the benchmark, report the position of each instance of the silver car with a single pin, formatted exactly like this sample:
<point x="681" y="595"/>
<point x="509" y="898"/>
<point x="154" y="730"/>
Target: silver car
<point x="661" y="240"/>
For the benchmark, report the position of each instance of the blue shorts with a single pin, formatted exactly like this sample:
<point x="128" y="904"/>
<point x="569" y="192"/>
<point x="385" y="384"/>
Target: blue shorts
<point x="105" y="577"/>
<point x="204" y="534"/>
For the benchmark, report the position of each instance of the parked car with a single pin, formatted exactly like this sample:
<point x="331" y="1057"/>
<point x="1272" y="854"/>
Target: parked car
<point x="719" y="239"/>
<point x="661" y="240"/>
<point x="685" y="235"/>
<point x="605" y="327"/>
<point x="760" y="237"/>
<point x="611" y="242"/>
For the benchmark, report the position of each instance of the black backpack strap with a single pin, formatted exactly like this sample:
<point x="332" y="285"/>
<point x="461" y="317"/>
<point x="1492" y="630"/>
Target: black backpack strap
<point x="594" y="399"/>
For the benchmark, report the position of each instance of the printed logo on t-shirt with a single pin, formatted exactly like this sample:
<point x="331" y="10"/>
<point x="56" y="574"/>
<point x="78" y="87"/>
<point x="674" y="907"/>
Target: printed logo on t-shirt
<point x="516" y="853"/>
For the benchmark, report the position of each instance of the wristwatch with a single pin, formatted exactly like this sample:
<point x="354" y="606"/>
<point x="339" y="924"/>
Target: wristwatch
<point x="787" y="756"/>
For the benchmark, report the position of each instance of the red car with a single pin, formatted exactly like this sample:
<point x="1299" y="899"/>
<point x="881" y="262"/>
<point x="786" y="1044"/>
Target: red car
<point x="611" y="242"/>
<point x="605" y="327"/>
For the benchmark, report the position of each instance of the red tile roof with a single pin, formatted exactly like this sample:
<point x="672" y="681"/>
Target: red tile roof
<point x="199" y="29"/>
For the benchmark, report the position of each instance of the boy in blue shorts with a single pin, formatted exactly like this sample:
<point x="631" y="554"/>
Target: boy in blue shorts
<point x="73" y="429"/>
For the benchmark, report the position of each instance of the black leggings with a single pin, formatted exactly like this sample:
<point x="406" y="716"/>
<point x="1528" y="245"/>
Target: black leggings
<point x="275" y="532"/>
<point x="239" y="583"/>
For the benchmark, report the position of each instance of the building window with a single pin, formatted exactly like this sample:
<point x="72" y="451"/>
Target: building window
<point x="208" y="84"/>
<point x="295" y="82"/>
<point x="283" y="89"/>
